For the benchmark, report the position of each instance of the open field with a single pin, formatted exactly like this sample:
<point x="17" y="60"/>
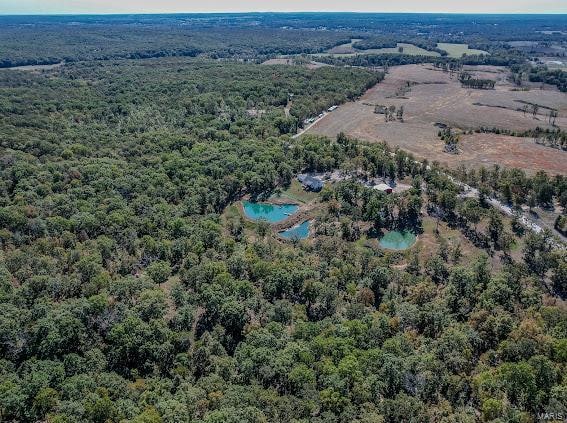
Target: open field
<point x="410" y="49"/>
<point x="346" y="50"/>
<point x="279" y="61"/>
<point x="36" y="67"/>
<point x="296" y="192"/>
<point x="289" y="61"/>
<point x="437" y="97"/>
<point x="458" y="50"/>
<point x="555" y="62"/>
<point x="454" y="50"/>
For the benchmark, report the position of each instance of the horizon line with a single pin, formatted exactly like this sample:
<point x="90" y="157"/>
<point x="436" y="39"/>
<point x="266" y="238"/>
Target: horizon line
<point x="282" y="12"/>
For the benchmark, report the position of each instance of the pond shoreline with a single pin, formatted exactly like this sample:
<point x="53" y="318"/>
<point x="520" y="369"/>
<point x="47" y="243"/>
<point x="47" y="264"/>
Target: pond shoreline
<point x="299" y="238"/>
<point x="305" y="212"/>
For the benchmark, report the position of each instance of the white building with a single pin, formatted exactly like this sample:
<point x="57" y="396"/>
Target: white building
<point x="383" y="187"/>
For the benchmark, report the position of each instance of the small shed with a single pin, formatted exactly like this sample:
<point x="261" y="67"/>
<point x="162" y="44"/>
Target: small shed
<point x="383" y="187"/>
<point x="310" y="183"/>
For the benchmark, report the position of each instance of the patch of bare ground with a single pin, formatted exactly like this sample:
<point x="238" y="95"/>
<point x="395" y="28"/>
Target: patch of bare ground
<point x="437" y="97"/>
<point x="522" y="153"/>
<point x="279" y="61"/>
<point x="316" y="65"/>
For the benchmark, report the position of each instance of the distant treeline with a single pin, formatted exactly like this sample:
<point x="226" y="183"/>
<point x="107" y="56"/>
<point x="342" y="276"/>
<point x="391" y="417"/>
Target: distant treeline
<point x="452" y="28"/>
<point x="468" y="81"/>
<point x="389" y="59"/>
<point x="49" y="44"/>
<point x="29" y="40"/>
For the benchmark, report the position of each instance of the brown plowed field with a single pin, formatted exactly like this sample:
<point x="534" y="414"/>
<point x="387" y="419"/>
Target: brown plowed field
<point x="438" y="98"/>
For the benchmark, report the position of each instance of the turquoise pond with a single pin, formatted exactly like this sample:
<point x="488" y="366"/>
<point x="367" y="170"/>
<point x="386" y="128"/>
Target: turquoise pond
<point x="395" y="240"/>
<point x="273" y="213"/>
<point x="297" y="232"/>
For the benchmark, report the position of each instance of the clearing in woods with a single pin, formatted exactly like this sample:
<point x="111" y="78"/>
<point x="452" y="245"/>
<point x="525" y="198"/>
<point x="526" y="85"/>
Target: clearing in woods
<point x="435" y="97"/>
<point x="458" y="50"/>
<point x="348" y="49"/>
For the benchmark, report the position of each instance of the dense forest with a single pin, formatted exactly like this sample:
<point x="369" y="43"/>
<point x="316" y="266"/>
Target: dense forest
<point x="70" y="43"/>
<point x="130" y="290"/>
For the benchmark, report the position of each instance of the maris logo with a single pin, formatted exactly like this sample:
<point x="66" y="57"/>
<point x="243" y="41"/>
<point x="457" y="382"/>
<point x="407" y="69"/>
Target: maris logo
<point x="551" y="417"/>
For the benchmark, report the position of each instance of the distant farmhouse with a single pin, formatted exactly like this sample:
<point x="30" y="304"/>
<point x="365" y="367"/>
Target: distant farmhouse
<point x="310" y="183"/>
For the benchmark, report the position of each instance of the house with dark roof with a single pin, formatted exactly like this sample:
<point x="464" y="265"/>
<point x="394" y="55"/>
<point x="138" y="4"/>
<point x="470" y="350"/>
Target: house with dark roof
<point x="310" y="183"/>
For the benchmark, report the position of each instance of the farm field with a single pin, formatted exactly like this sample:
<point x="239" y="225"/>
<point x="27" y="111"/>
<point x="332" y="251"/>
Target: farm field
<point x="437" y="97"/>
<point x="35" y="68"/>
<point x="555" y="62"/>
<point x="407" y="49"/>
<point x="279" y="61"/>
<point x="346" y="50"/>
<point x="458" y="50"/>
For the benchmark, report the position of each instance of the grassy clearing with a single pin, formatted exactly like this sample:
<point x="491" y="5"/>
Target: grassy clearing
<point x="231" y="212"/>
<point x="410" y="49"/>
<point x="458" y="50"/>
<point x="297" y="193"/>
<point x="407" y="49"/>
<point x="344" y="48"/>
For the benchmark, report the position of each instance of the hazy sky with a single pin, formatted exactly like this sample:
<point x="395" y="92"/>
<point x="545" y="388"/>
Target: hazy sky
<point x="156" y="6"/>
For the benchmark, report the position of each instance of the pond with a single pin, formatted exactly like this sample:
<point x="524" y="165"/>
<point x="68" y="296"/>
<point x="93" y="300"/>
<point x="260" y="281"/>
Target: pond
<point x="273" y="213"/>
<point x="395" y="240"/>
<point x="297" y="232"/>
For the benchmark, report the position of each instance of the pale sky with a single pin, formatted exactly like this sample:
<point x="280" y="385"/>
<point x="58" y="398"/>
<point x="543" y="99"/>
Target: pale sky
<point x="165" y="6"/>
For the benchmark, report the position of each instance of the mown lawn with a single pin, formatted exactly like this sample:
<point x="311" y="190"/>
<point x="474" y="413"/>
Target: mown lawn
<point x="457" y="50"/>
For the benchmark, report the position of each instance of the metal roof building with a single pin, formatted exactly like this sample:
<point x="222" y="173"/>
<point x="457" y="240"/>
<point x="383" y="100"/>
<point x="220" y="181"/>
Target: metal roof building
<point x="310" y="183"/>
<point x="383" y="187"/>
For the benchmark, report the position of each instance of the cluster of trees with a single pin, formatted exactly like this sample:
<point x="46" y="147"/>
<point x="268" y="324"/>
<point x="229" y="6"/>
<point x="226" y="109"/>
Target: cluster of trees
<point x="451" y="140"/>
<point x="503" y="58"/>
<point x="391" y="113"/>
<point x="523" y="71"/>
<point x="515" y="187"/>
<point x="371" y="60"/>
<point x="555" y="77"/>
<point x="467" y="81"/>
<point x="446" y="66"/>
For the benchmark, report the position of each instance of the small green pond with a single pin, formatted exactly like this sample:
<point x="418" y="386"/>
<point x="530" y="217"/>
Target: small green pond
<point x="395" y="240"/>
<point x="297" y="232"/>
<point x="273" y="213"/>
